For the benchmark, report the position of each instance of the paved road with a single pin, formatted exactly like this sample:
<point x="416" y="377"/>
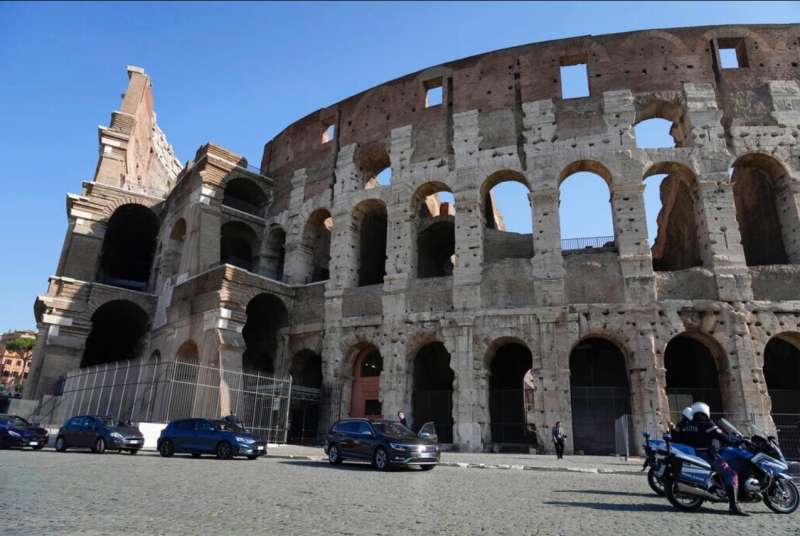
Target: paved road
<point x="80" y="493"/>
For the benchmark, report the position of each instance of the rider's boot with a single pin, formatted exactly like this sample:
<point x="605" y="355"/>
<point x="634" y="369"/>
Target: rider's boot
<point x="733" y="503"/>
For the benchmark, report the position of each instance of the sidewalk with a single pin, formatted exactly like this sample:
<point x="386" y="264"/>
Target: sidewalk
<point x="480" y="460"/>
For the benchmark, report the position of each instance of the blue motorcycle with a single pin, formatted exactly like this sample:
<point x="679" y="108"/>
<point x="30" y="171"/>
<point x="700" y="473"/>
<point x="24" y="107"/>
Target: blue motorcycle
<point x="763" y="473"/>
<point x="655" y="453"/>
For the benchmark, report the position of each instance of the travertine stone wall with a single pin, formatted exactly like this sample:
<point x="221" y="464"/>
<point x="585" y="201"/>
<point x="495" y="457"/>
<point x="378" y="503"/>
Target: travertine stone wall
<point x="502" y="117"/>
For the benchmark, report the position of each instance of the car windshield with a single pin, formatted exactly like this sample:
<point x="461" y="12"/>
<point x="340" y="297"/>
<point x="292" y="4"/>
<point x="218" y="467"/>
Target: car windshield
<point x="106" y="421"/>
<point x="391" y="429"/>
<point x="227" y="426"/>
<point x="14" y="421"/>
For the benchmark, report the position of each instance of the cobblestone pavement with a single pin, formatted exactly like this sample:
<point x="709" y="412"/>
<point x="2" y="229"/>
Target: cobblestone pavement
<point x="80" y="493"/>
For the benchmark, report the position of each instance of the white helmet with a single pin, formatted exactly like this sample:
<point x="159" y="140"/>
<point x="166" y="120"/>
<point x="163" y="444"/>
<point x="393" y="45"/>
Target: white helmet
<point x="701" y="407"/>
<point x="687" y="412"/>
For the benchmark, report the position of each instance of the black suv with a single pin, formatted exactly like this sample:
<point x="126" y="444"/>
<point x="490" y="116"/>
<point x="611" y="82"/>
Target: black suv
<point x="99" y="433"/>
<point x="384" y="443"/>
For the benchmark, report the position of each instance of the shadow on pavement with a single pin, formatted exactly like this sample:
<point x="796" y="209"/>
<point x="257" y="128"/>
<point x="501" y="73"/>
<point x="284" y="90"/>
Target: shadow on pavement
<point x="613" y="507"/>
<point x="343" y="467"/>
<point x="605" y="492"/>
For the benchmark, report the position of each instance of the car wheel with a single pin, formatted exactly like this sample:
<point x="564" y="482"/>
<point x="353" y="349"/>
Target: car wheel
<point x="196" y="454"/>
<point x="224" y="451"/>
<point x="134" y="452"/>
<point x="99" y="446"/>
<point x="380" y="460"/>
<point x="61" y="445"/>
<point x="166" y="449"/>
<point x="427" y="467"/>
<point x="333" y="455"/>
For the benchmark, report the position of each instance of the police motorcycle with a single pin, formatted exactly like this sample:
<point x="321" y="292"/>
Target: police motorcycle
<point x="655" y="453"/>
<point x="763" y="473"/>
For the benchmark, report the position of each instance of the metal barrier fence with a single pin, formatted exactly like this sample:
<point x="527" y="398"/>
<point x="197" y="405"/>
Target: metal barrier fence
<point x="573" y="244"/>
<point x="140" y="391"/>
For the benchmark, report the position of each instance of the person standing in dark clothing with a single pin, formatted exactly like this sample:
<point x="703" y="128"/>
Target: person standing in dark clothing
<point x="704" y="435"/>
<point x="558" y="439"/>
<point x="401" y="416"/>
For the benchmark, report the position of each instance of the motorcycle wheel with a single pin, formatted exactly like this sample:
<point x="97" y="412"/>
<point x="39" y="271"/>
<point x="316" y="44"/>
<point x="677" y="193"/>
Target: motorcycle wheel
<point x="684" y="503"/>
<point x="655" y="483"/>
<point x="782" y="497"/>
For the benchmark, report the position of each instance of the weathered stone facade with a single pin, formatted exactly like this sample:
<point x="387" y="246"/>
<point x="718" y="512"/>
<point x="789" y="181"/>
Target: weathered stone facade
<point x="218" y="246"/>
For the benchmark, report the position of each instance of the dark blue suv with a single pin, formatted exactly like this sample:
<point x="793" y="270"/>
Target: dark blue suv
<point x="205" y="436"/>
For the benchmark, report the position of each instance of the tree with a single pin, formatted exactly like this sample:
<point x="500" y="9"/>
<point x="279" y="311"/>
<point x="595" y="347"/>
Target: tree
<point x="23" y="347"/>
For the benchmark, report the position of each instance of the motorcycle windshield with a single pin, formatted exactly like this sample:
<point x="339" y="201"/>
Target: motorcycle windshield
<point x="728" y="428"/>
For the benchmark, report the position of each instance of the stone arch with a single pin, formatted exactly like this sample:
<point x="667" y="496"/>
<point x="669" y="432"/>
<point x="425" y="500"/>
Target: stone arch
<point x="782" y="375"/>
<point x="678" y="47"/>
<point x="119" y="329"/>
<point x="600" y="392"/>
<point x="370" y="224"/>
<point x="659" y="109"/>
<point x="435" y="236"/>
<point x="129" y="247"/>
<point x="766" y="210"/>
<point x="372" y="162"/>
<point x="185" y="398"/>
<point x="267" y="316"/>
<point x="511" y="189"/>
<point x="432" y="393"/>
<point x="275" y="253"/>
<point x="582" y="233"/>
<point x="238" y="245"/>
<point x="244" y="194"/>
<point x="365" y="396"/>
<point x="508" y="360"/>
<point x="676" y="245"/>
<point x="178" y="231"/>
<point x="315" y="254"/>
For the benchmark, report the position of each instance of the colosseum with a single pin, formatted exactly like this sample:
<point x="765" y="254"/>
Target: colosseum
<point x="365" y="256"/>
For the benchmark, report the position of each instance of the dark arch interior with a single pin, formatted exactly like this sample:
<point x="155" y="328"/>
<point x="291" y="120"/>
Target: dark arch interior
<point x="372" y="238"/>
<point x="178" y="230"/>
<point x="276" y="253"/>
<point x="757" y="215"/>
<point x="506" y="396"/>
<point x="237" y="241"/>
<point x="245" y="195"/>
<point x="318" y="240"/>
<point x="782" y="374"/>
<point x="129" y="246"/>
<point x="692" y="375"/>
<point x="676" y="246"/>
<point x="432" y="398"/>
<point x="436" y="245"/>
<point x="600" y="394"/>
<point x="306" y="371"/>
<point x="371" y="366"/>
<point x="266" y="315"/>
<point x="117" y="331"/>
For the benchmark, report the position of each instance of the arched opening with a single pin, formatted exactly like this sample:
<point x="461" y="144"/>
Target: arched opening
<point x="365" y="400"/>
<point x="245" y="195"/>
<point x="118" y="330"/>
<point x="600" y="394"/>
<point x="585" y="207"/>
<point x="275" y="254"/>
<point x="374" y="165"/>
<point x="183" y="399"/>
<point x="660" y="124"/>
<point x="128" y="247"/>
<point x="237" y="244"/>
<point x="432" y="398"/>
<point x="782" y="374"/>
<point x="266" y="316"/>
<point x="178" y="232"/>
<point x="316" y="246"/>
<point x="692" y="375"/>
<point x="172" y="252"/>
<point x="306" y="371"/>
<point x="434" y="210"/>
<point x="508" y="366"/>
<point x="370" y="224"/>
<point x="764" y="210"/>
<point x="670" y="200"/>
<point x="507" y="216"/>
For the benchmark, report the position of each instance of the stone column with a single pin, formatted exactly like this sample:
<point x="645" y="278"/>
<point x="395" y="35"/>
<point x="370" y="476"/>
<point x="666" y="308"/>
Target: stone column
<point x="399" y="265"/>
<point x="555" y="337"/>
<point x="469" y="243"/>
<point x="630" y="230"/>
<point x="296" y="268"/>
<point x="548" y="264"/>
<point x="470" y="388"/>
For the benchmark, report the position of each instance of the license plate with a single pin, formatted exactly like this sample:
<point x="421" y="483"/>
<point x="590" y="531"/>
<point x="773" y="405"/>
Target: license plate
<point x="426" y="455"/>
<point x="33" y="444"/>
<point x="133" y="441"/>
<point x="259" y="448"/>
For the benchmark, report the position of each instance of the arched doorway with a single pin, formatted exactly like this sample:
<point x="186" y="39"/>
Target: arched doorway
<point x="432" y="398"/>
<point x="434" y="213"/>
<point x="266" y="316"/>
<point x="508" y="366"/>
<point x="370" y="223"/>
<point x="782" y="374"/>
<point x="306" y="371"/>
<point x="692" y="375"/>
<point x="184" y="397"/>
<point x="365" y="399"/>
<point x="600" y="394"/>
<point x="128" y="247"/>
<point x="275" y="254"/>
<point x="238" y="242"/>
<point x="316" y="247"/>
<point x="118" y="329"/>
<point x="245" y="195"/>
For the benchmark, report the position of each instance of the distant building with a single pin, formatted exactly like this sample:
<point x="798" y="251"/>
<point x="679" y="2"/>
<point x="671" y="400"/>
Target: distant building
<point x="14" y="366"/>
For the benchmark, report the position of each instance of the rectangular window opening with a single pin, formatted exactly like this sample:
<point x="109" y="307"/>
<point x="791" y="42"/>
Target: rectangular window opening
<point x="574" y="81"/>
<point x="434" y="93"/>
<point x="732" y="53"/>
<point x="329" y="134"/>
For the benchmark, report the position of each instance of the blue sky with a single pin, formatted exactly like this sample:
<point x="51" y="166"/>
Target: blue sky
<point x="237" y="74"/>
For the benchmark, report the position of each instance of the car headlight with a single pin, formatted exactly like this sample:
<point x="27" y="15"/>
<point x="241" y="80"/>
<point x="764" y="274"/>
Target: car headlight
<point x="117" y="435"/>
<point x="400" y="446"/>
<point x="245" y="440"/>
<point x="12" y="433"/>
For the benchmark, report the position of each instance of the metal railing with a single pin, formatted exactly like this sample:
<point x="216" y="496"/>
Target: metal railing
<point x="140" y="391"/>
<point x="574" y="244"/>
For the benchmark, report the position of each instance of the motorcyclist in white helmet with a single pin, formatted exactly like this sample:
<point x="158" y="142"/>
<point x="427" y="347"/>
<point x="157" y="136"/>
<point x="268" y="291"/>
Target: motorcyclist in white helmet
<point x="686" y="418"/>
<point x="700" y="433"/>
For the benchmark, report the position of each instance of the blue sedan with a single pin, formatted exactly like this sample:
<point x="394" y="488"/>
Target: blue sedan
<point x="206" y="436"/>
